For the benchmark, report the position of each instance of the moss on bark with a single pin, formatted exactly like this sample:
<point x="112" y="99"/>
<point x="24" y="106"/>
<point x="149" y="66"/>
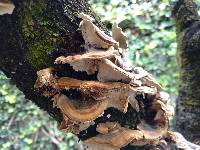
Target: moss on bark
<point x="40" y="39"/>
<point x="30" y="34"/>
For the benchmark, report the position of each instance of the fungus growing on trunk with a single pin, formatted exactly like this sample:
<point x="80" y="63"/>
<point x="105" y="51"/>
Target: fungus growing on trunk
<point x="67" y="125"/>
<point x="46" y="82"/>
<point x="118" y="94"/>
<point x="84" y="104"/>
<point x="80" y="111"/>
<point x="146" y="78"/>
<point x="101" y="62"/>
<point x="90" y="61"/>
<point x="93" y="36"/>
<point x="86" y="17"/>
<point x="119" y="36"/>
<point x="117" y="137"/>
<point x="104" y="128"/>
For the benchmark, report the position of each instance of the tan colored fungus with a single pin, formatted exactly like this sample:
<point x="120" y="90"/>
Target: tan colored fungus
<point x="163" y="96"/>
<point x="108" y="71"/>
<point x="76" y="112"/>
<point x="104" y="128"/>
<point x="88" y="62"/>
<point x="6" y="7"/>
<point x="116" y="138"/>
<point x="135" y="105"/>
<point x="146" y="78"/>
<point x="86" y="17"/>
<point x="67" y="125"/>
<point x="119" y="36"/>
<point x="105" y="64"/>
<point x="115" y="87"/>
<point x="145" y="90"/>
<point x="46" y="82"/>
<point x="162" y="115"/>
<point x="158" y="130"/>
<point x="93" y="36"/>
<point x="116" y="93"/>
<point x="151" y="134"/>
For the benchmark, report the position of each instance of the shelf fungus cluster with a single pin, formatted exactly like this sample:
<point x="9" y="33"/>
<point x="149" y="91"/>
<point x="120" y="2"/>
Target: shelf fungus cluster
<point x="92" y="105"/>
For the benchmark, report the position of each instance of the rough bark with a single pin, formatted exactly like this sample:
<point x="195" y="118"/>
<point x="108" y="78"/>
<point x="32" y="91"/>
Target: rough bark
<point x="29" y="39"/>
<point x="188" y="54"/>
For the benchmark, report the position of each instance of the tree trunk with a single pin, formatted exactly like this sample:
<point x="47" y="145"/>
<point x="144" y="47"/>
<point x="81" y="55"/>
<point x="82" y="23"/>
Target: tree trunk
<point x="188" y="58"/>
<point x="30" y="35"/>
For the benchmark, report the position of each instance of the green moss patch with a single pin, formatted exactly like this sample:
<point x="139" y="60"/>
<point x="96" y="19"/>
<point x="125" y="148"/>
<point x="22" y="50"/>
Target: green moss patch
<point x="38" y="34"/>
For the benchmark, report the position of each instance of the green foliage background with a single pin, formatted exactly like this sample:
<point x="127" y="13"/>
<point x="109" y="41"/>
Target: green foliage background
<point x="152" y="45"/>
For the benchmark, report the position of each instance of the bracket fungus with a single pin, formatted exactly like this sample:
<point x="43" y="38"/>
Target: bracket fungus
<point x="117" y="137"/>
<point x="86" y="17"/>
<point x="119" y="36"/>
<point x="80" y="111"/>
<point x="67" y="125"/>
<point x="104" y="128"/>
<point x="114" y="87"/>
<point x="101" y="62"/>
<point x="93" y="36"/>
<point x="146" y="78"/>
<point x="88" y="62"/>
<point x="117" y="93"/>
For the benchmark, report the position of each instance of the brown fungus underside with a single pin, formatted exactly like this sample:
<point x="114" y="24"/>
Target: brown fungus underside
<point x="85" y="105"/>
